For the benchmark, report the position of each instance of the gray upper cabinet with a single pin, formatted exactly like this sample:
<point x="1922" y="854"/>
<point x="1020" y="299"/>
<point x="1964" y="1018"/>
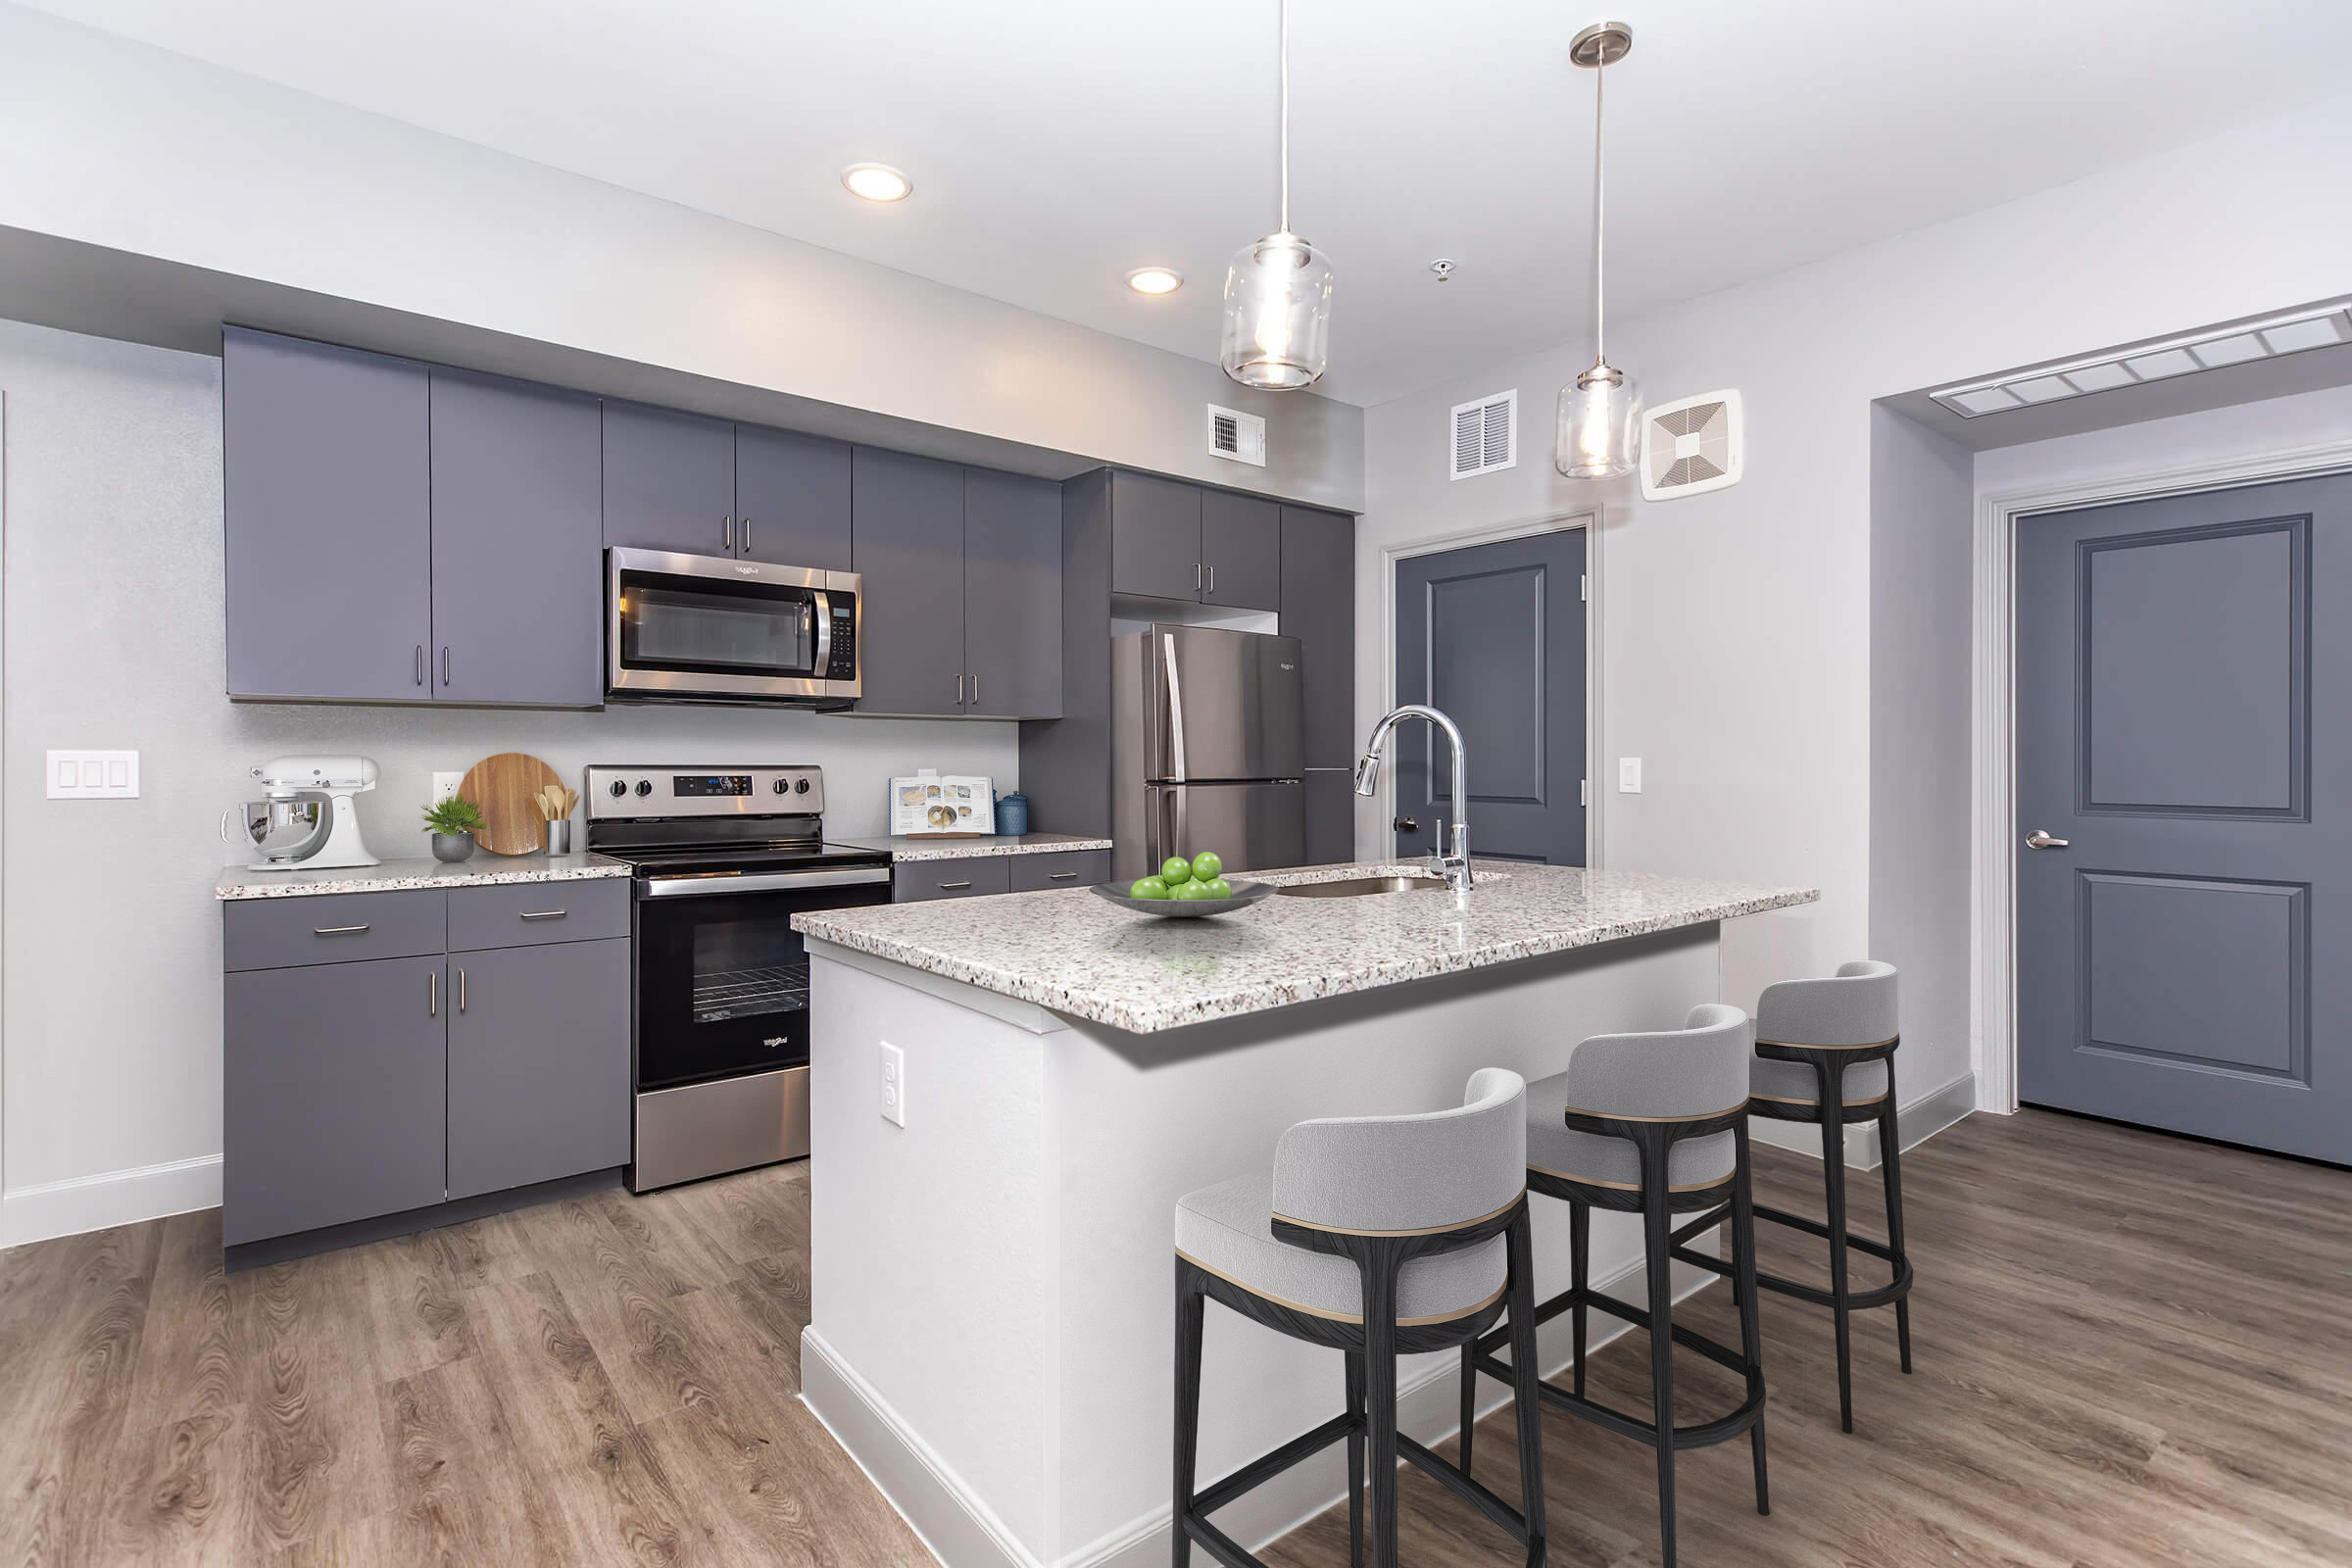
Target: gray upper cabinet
<point x="328" y="521"/>
<point x="538" y="1065"/>
<point x="669" y="480"/>
<point x="333" y="1089"/>
<point x="1318" y="607"/>
<point x="1011" y="595"/>
<point x="517" y="566"/>
<point x="792" y="498"/>
<point x="1241" y="551"/>
<point x="909" y="553"/>
<point x="1155" y="537"/>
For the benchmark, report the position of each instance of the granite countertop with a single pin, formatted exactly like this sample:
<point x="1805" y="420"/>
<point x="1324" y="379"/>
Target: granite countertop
<point x="394" y="876"/>
<point x="1080" y="954"/>
<point x="931" y="849"/>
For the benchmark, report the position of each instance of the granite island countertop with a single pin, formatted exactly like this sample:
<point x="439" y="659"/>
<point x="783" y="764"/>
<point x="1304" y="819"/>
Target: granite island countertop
<point x="397" y="876"/>
<point x="1080" y="954"/>
<point x="925" y="848"/>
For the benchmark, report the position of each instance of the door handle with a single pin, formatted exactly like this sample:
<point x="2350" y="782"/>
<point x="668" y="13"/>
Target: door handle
<point x="420" y="663"/>
<point x="959" y="688"/>
<point x="2039" y="840"/>
<point x="432" y="993"/>
<point x="746" y="536"/>
<point x="976" y="688"/>
<point x="545" y="914"/>
<point x="1406" y="824"/>
<point x="1213" y="578"/>
<point x="336" y="930"/>
<point x="445" y="663"/>
<point x="1062" y="876"/>
<point x="726" y="534"/>
<point x="461" y="991"/>
<point x="954" y="887"/>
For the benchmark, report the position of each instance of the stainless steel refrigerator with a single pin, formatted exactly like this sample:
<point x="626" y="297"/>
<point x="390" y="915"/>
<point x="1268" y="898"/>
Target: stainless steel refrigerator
<point x="1207" y="749"/>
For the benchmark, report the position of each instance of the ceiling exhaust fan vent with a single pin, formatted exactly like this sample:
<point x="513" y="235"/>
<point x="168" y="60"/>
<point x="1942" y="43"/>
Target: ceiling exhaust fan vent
<point x="1485" y="435"/>
<point x="1692" y="445"/>
<point x="1235" y="436"/>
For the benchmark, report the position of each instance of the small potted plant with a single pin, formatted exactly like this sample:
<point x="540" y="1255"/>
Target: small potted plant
<point x="454" y="823"/>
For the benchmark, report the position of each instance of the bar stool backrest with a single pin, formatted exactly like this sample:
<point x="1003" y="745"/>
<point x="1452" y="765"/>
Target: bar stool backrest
<point x="1429" y="1171"/>
<point x="1698" y="1070"/>
<point x="1854" y="1007"/>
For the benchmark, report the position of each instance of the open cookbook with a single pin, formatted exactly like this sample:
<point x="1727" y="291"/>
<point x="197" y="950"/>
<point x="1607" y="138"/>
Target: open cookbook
<point x="943" y="805"/>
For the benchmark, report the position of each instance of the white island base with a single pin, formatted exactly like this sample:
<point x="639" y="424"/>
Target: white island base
<point x="993" y="1324"/>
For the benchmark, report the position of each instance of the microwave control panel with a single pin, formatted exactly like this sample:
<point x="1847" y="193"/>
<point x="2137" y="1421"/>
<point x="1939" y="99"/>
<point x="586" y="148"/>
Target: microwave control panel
<point x="841" y="661"/>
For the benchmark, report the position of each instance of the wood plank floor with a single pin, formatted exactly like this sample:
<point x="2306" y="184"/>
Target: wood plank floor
<point x="2131" y="1350"/>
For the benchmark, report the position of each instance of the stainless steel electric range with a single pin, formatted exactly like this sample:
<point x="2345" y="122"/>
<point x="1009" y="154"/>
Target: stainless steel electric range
<point x="724" y="858"/>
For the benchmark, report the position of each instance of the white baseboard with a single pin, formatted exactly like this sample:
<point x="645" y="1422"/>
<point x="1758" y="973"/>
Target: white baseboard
<point x="111" y="1198"/>
<point x="963" y="1532"/>
<point x="1917" y="1123"/>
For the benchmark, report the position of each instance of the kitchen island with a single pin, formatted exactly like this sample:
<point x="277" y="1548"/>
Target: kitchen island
<point x="992" y="1314"/>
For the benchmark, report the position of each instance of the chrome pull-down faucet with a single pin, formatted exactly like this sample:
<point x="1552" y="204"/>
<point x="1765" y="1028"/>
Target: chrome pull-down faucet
<point x="1453" y="866"/>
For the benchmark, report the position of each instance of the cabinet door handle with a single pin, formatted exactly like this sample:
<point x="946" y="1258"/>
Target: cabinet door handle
<point x="959" y="688"/>
<point x="336" y="930"/>
<point x="746" y="536"/>
<point x="976" y="688"/>
<point x="432" y="993"/>
<point x="1062" y="876"/>
<point x="445" y="663"/>
<point x="461" y="991"/>
<point x="545" y="914"/>
<point x="952" y="887"/>
<point x="1212" y="577"/>
<point x="1196" y="577"/>
<point x="726" y="534"/>
<point x="420" y="663"/>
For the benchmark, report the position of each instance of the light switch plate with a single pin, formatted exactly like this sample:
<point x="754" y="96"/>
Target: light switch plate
<point x="1629" y="775"/>
<point x="86" y="775"/>
<point x="893" y="1084"/>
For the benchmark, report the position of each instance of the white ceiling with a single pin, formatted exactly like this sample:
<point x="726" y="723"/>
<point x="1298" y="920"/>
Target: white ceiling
<point x="1055" y="144"/>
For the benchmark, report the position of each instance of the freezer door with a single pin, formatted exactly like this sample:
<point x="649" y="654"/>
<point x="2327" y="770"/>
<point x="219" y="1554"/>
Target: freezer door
<point x="1253" y="828"/>
<point x="1222" y="705"/>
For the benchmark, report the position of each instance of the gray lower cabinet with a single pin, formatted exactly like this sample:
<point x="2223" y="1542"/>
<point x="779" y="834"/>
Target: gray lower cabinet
<point x="332" y="1094"/>
<point x="1011" y="595"/>
<point x="538" y="1065"/>
<point x="1241" y="552"/>
<point x="910" y="539"/>
<point x="1155" y="537"/>
<point x="1059" y="869"/>
<point x="669" y="480"/>
<point x="1318" y="607"/>
<point x="793" y="499"/>
<point x="517" y="527"/>
<point x="328" y="532"/>
<point x="918" y="881"/>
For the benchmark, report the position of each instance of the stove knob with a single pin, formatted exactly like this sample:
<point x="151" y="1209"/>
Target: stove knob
<point x="619" y="789"/>
<point x="800" y="786"/>
<point x="780" y="786"/>
<point x="645" y="786"/>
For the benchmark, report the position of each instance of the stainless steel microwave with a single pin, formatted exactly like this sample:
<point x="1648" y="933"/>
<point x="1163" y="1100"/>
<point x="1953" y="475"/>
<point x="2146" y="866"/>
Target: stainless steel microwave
<point x="717" y="630"/>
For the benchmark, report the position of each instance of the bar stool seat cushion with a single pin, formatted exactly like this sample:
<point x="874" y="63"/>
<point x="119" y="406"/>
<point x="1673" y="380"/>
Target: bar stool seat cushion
<point x="1865" y="1081"/>
<point x="1229" y="1230"/>
<point x="1554" y="1147"/>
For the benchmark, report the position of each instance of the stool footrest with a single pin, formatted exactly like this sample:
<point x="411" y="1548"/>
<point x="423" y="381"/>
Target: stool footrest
<point x="1689" y="1228"/>
<point x="1219" y="1544"/>
<point x="1257" y="1472"/>
<point x="1457" y="1481"/>
<point x="1697" y="1435"/>
<point x="1855" y="1301"/>
<point x="1716" y="1265"/>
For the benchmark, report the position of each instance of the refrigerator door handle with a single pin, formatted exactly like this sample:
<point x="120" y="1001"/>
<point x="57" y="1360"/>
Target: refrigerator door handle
<point x="1168" y="656"/>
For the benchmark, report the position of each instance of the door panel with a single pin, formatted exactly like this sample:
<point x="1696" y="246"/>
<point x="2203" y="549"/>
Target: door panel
<point x="1253" y="828"/>
<point x="1155" y="537"/>
<point x="517" y="530"/>
<point x="1494" y="637"/>
<point x="1318" y="607"/>
<point x="2170" y="732"/>
<point x="1013" y="595"/>
<point x="909" y="553"/>
<point x="538" y="1065"/>
<point x="792" y="498"/>
<point x="1241" y="545"/>
<point x="328" y="521"/>
<point x="669" y="480"/>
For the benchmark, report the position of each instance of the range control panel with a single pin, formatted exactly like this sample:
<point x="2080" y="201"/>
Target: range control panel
<point x="700" y="791"/>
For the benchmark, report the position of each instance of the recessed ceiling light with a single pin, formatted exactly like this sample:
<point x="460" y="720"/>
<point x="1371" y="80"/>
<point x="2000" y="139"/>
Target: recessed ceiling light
<point x="877" y="182"/>
<point x="1155" y="280"/>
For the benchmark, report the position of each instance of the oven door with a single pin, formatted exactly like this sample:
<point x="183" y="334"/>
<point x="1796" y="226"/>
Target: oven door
<point x="716" y="628"/>
<point x="722" y="979"/>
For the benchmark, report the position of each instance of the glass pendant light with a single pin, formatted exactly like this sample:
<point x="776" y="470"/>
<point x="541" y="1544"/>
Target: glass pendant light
<point x="1600" y="412"/>
<point x="1278" y="289"/>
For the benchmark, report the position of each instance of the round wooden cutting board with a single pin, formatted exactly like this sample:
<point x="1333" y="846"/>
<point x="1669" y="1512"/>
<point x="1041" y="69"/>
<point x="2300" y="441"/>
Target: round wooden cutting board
<point x="502" y="787"/>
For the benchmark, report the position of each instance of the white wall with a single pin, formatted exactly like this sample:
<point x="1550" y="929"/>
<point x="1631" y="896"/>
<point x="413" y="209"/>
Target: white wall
<point x="1737" y="625"/>
<point x="2276" y="424"/>
<point x="113" y="624"/>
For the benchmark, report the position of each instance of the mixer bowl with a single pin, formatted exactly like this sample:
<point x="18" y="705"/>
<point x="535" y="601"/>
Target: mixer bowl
<point x="283" y="830"/>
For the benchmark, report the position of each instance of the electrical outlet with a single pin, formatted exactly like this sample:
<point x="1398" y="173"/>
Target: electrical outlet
<point x="445" y="786"/>
<point x="893" y="1083"/>
<point x="1629" y="775"/>
<point x="93" y="775"/>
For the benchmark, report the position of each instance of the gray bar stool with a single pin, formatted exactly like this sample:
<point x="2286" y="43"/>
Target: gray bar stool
<point x="1376" y="1236"/>
<point x="1811" y="1035"/>
<point x="1653" y="1124"/>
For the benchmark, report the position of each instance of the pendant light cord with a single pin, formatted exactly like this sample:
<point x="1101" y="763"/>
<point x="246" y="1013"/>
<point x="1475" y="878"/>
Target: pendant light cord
<point x="1282" y="12"/>
<point x="1600" y="74"/>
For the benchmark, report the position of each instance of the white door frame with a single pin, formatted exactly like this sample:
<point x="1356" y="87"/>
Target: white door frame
<point x="1992" y="720"/>
<point x="1588" y="520"/>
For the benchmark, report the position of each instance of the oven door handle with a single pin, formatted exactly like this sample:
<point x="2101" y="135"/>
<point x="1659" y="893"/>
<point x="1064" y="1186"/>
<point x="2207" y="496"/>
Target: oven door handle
<point x="721" y="882"/>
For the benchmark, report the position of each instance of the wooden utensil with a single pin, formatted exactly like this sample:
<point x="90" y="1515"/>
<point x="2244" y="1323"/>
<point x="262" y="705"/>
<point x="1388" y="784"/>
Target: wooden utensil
<point x="504" y="787"/>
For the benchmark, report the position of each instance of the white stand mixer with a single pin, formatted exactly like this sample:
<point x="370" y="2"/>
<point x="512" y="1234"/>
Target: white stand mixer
<point x="307" y="821"/>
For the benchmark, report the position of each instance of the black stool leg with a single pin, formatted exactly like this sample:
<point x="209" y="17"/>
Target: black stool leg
<point x="1355" y="1460"/>
<point x="1891" y="1166"/>
<point x="1526" y="1406"/>
<point x="1752" y="1333"/>
<point x="1190" y="1308"/>
<point x="1657" y="1229"/>
<point x="1469" y="1397"/>
<point x="1580" y="1256"/>
<point x="1833" y="1160"/>
<point x="1380" y="1404"/>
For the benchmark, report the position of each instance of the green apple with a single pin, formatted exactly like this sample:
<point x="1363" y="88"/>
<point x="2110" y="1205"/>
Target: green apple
<point x="1207" y="865"/>
<point x="1190" y="891"/>
<point x="1219" y="888"/>
<point x="1175" y="870"/>
<point x="1147" y="887"/>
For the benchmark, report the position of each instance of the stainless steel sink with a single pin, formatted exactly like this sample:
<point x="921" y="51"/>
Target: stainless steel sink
<point x="1363" y="887"/>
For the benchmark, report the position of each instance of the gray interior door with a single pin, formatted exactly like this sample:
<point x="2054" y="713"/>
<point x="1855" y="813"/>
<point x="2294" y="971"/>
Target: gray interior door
<point x="1494" y="637"/>
<point x="2185" y="740"/>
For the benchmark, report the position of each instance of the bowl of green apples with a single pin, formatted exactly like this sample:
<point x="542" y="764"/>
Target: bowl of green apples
<point x="1183" y="890"/>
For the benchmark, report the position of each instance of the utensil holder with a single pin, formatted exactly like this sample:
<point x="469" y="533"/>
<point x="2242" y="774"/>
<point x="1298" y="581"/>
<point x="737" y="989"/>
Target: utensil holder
<point x="558" y="836"/>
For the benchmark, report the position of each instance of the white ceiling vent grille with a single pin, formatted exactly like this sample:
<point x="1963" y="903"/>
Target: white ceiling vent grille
<point x="1235" y="436"/>
<point x="1485" y="435"/>
<point x="1692" y="445"/>
<point x="2150" y="361"/>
